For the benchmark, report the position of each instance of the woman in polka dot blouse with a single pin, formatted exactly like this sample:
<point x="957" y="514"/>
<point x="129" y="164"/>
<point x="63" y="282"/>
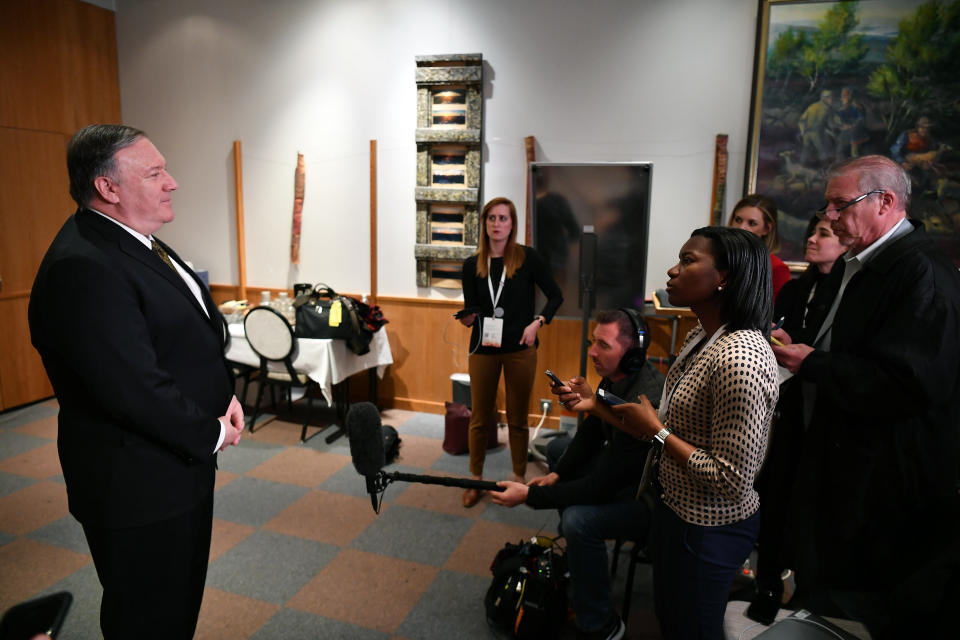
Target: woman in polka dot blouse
<point x="713" y="425"/>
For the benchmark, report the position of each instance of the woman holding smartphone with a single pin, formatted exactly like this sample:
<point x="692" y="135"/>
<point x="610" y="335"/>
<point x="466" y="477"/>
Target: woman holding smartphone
<point x="713" y="424"/>
<point x="499" y="280"/>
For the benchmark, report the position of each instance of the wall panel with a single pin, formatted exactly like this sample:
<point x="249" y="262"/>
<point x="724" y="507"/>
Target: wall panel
<point x="60" y="65"/>
<point x="22" y="377"/>
<point x="59" y="73"/>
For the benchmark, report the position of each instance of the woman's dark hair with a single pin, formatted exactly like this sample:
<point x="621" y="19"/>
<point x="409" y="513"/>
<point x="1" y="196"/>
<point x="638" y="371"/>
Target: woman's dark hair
<point x="811" y="272"/>
<point x="811" y="227"/>
<point x="90" y="155"/>
<point x="748" y="294"/>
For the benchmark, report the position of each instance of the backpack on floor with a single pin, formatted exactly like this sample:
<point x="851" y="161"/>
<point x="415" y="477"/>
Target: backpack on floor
<point x="527" y="599"/>
<point x="391" y="444"/>
<point x="456" y="429"/>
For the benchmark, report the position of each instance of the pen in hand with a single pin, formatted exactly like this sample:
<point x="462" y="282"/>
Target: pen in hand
<point x="775" y="327"/>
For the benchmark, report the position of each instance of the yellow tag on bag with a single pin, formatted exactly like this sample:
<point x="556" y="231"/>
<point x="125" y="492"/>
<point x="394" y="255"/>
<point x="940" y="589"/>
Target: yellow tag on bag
<point x="336" y="313"/>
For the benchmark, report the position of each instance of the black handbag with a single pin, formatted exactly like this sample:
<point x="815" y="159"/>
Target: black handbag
<point x="323" y="313"/>
<point x="527" y="599"/>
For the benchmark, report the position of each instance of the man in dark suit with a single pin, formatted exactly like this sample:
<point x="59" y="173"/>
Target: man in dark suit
<point x="876" y="509"/>
<point x="132" y="343"/>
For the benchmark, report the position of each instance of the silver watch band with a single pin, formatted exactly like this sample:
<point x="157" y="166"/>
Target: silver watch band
<point x="662" y="435"/>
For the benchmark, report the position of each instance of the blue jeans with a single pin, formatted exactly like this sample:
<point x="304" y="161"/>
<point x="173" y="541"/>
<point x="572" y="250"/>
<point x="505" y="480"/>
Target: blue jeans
<point x="586" y="529"/>
<point x="693" y="570"/>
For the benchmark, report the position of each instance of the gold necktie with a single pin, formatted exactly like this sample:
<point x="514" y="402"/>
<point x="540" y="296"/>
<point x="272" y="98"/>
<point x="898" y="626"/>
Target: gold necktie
<point x="157" y="249"/>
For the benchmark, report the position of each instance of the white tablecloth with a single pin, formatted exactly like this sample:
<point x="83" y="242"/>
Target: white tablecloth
<point x="328" y="362"/>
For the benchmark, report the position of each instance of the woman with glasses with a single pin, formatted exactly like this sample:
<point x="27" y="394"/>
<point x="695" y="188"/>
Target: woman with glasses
<point x="499" y="280"/>
<point x="712" y="427"/>
<point x="757" y="214"/>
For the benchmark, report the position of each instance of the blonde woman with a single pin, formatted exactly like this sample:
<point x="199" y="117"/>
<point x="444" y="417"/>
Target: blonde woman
<point x="499" y="280"/>
<point x="757" y="214"/>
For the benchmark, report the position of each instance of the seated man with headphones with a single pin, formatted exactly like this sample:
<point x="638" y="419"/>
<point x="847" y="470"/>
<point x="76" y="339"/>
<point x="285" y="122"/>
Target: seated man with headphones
<point x="594" y="484"/>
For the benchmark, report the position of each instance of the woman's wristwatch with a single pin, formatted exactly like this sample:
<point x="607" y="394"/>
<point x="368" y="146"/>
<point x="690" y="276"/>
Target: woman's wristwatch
<point x="540" y="320"/>
<point x="662" y="435"/>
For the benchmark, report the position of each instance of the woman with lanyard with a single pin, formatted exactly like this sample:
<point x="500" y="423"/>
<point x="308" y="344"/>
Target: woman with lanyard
<point x="713" y="424"/>
<point x="798" y="297"/>
<point x="499" y="281"/>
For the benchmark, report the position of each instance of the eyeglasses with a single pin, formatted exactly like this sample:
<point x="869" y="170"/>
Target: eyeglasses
<point x="824" y="212"/>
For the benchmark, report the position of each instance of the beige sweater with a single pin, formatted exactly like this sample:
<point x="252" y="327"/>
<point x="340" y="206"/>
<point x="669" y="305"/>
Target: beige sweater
<point x="721" y="401"/>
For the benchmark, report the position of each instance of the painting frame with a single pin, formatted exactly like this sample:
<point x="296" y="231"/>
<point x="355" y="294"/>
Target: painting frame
<point x="860" y="100"/>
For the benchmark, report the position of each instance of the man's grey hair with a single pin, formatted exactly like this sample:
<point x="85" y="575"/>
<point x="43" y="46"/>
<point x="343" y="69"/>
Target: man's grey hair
<point x="876" y="172"/>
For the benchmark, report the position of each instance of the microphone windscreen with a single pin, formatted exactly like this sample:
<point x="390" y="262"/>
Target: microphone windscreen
<point x="366" y="438"/>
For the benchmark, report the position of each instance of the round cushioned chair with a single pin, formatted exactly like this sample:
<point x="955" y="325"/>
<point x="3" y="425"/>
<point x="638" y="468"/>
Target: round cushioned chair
<point x="271" y="337"/>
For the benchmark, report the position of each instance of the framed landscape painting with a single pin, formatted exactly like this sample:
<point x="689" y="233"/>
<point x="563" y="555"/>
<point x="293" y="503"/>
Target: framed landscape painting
<point x="834" y="80"/>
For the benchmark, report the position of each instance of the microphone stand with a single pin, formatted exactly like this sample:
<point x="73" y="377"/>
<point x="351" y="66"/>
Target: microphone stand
<point x="383" y="479"/>
<point x="587" y="297"/>
<point x="377" y="484"/>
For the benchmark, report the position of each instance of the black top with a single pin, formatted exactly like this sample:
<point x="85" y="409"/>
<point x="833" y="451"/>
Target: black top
<point x="619" y="457"/>
<point x="516" y="300"/>
<point x="795" y="305"/>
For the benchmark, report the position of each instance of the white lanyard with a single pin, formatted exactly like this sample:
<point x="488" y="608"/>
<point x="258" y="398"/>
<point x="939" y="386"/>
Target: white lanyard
<point x="684" y="353"/>
<point x="495" y="298"/>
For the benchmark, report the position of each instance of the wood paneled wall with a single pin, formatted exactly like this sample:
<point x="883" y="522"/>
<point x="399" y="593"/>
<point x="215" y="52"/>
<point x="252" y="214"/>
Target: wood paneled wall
<point x="59" y="73"/>
<point x="429" y="345"/>
<point x="60" y="65"/>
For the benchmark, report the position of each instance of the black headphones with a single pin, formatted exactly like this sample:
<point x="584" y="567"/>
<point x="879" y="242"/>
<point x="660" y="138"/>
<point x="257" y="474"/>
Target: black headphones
<point x="634" y="358"/>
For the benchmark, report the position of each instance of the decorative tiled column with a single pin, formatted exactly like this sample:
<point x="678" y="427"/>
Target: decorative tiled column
<point x="449" y="136"/>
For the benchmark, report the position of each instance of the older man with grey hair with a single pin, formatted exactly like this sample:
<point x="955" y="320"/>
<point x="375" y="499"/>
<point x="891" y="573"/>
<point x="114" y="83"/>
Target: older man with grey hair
<point x="877" y="503"/>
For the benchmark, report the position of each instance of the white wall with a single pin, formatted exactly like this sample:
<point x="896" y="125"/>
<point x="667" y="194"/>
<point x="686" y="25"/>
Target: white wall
<point x="597" y="80"/>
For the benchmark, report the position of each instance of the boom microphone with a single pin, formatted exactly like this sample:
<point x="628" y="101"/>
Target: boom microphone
<point x="365" y="432"/>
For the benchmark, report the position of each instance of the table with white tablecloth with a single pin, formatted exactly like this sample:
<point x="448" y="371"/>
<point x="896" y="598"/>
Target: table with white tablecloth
<point x="327" y="362"/>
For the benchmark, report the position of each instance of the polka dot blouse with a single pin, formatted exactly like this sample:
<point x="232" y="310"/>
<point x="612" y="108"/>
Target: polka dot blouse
<point x="721" y="401"/>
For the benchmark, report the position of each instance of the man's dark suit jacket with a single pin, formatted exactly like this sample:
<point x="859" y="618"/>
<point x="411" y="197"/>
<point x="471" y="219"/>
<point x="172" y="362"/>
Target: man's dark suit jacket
<point x="138" y="370"/>
<point x="878" y="480"/>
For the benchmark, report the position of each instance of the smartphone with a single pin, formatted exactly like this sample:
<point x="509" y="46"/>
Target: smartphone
<point x="37" y="616"/>
<point x="609" y="398"/>
<point x="553" y="377"/>
<point x="465" y="312"/>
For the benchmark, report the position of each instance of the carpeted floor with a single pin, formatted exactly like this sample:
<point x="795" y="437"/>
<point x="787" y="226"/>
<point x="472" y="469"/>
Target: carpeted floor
<point x="297" y="551"/>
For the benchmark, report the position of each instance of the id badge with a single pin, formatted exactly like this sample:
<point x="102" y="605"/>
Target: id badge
<point x="492" y="332"/>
